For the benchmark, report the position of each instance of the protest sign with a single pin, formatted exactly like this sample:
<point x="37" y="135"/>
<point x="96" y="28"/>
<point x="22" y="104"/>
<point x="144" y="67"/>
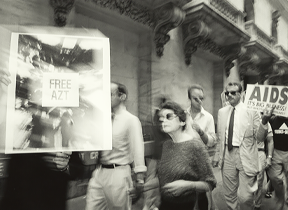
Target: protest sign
<point x="258" y="97"/>
<point x="60" y="89"/>
<point x="59" y="96"/>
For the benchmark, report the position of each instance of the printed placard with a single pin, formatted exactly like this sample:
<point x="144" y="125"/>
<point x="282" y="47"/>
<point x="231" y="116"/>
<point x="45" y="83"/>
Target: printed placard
<point x="59" y="97"/>
<point x="60" y="89"/>
<point x="260" y="96"/>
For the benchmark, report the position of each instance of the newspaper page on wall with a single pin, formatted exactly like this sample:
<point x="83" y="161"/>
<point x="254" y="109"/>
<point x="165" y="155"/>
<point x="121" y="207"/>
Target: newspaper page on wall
<point x="258" y="97"/>
<point x="59" y="96"/>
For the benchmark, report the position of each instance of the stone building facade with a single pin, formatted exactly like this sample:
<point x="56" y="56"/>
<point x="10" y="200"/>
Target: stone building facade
<point x="161" y="47"/>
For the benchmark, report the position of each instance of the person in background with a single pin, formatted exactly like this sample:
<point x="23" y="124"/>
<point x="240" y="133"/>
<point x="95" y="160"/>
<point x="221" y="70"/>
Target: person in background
<point x="152" y="196"/>
<point x="265" y="163"/>
<point x="203" y="122"/>
<point x="108" y="188"/>
<point x="278" y="170"/>
<point x="184" y="168"/>
<point x="238" y="131"/>
<point x="35" y="181"/>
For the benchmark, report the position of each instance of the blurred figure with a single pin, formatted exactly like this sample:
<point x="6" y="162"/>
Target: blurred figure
<point x="203" y="122"/>
<point x="152" y="197"/>
<point x="108" y="187"/>
<point x="238" y="130"/>
<point x="36" y="181"/>
<point x="184" y="168"/>
<point x="265" y="163"/>
<point x="279" y="165"/>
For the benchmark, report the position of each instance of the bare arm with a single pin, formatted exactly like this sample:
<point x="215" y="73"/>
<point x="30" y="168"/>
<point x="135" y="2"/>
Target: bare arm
<point x="270" y="147"/>
<point x="181" y="186"/>
<point x="137" y="148"/>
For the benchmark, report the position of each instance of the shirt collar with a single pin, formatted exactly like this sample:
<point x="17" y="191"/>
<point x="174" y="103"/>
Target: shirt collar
<point x="238" y="106"/>
<point x="202" y="111"/>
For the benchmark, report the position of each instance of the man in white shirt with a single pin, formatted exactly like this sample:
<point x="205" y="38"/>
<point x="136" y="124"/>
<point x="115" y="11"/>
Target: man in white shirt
<point x="201" y="120"/>
<point x="203" y="123"/>
<point x="109" y="185"/>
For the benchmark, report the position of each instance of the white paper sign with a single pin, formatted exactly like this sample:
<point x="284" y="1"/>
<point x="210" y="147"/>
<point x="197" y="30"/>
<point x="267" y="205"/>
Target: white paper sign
<point x="59" y="98"/>
<point x="260" y="96"/>
<point x="60" y="89"/>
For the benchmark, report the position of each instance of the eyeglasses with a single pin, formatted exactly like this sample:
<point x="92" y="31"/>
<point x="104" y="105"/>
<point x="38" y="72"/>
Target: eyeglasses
<point x="169" y="116"/>
<point x="233" y="93"/>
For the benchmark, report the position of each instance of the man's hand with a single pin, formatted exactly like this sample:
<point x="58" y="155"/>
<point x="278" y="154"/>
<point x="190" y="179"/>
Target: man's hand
<point x="139" y="182"/>
<point x="268" y="162"/>
<point x="58" y="161"/>
<point x="267" y="114"/>
<point x="196" y="127"/>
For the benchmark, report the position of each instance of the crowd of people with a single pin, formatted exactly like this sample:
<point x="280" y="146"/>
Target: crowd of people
<point x="180" y="173"/>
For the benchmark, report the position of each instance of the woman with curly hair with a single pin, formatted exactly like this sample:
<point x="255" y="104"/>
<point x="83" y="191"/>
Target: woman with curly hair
<point x="184" y="168"/>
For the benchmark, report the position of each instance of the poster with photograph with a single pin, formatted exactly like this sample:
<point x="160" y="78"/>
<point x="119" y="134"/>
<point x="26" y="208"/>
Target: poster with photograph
<point x="258" y="97"/>
<point x="59" y="96"/>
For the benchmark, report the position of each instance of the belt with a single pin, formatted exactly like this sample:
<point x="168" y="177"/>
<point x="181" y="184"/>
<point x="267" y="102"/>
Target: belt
<point x="261" y="149"/>
<point x="110" y="165"/>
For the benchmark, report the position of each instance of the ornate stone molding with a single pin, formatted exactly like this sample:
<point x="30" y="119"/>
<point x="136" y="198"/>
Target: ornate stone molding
<point x="196" y="35"/>
<point x="248" y="62"/>
<point x="128" y="8"/>
<point x="275" y="17"/>
<point x="166" y="18"/>
<point x="282" y="53"/>
<point x="278" y="71"/>
<point x="61" y="10"/>
<point x="258" y="35"/>
<point x="225" y="8"/>
<point x="233" y="52"/>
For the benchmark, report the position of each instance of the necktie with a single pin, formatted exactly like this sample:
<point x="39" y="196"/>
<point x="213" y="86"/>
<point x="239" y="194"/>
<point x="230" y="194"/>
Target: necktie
<point x="230" y="130"/>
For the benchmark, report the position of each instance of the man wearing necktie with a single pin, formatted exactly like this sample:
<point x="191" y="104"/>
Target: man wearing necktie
<point x="238" y="131"/>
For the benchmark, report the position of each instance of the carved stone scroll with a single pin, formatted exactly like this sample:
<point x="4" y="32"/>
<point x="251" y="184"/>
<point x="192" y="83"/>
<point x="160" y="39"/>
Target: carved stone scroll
<point x="249" y="61"/>
<point x="277" y="73"/>
<point x="166" y="18"/>
<point x="195" y="34"/>
<point x="61" y="10"/>
<point x="275" y="17"/>
<point x="233" y="52"/>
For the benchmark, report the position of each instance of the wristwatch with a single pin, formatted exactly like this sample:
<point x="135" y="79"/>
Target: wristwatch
<point x="270" y="156"/>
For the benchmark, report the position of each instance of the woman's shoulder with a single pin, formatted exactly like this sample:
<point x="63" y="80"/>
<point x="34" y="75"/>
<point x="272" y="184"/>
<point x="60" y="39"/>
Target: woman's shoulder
<point x="196" y="143"/>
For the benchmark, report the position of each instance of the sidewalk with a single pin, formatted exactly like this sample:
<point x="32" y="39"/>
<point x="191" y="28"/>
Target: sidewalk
<point x="267" y="204"/>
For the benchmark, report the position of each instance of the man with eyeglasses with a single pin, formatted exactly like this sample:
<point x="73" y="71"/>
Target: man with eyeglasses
<point x="110" y="182"/>
<point x="201" y="120"/>
<point x="203" y="123"/>
<point x="238" y="130"/>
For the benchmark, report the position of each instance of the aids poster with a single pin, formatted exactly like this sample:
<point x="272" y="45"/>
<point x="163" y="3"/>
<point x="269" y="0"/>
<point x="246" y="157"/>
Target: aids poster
<point x="59" y="95"/>
<point x="260" y="96"/>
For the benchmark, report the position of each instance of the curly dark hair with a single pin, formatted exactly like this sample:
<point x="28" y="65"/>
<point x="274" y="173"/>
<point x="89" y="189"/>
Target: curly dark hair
<point x="177" y="109"/>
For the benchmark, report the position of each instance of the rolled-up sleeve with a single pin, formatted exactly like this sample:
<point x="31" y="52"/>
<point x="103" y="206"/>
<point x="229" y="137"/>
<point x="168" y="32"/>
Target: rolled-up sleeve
<point x="210" y="130"/>
<point x="137" y="145"/>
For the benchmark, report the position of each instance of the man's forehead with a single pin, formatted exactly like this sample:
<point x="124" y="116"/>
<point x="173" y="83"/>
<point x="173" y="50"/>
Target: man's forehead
<point x="232" y="88"/>
<point x="196" y="92"/>
<point x="113" y="86"/>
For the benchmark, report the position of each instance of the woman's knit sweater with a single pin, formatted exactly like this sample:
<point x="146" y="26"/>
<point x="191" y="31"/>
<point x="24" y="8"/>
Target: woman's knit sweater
<point x="187" y="160"/>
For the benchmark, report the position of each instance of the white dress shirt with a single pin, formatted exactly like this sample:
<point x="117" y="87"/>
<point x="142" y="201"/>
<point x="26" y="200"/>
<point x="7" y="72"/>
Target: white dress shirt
<point x="127" y="142"/>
